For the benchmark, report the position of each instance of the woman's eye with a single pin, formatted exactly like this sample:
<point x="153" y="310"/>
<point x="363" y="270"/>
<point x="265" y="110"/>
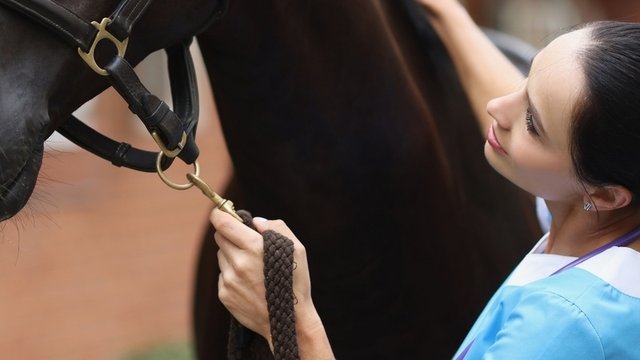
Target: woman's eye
<point x="530" y="125"/>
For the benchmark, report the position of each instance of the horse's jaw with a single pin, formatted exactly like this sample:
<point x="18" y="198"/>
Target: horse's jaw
<point x="16" y="191"/>
<point x="23" y="129"/>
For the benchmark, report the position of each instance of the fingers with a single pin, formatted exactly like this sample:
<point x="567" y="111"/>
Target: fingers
<point x="302" y="283"/>
<point x="231" y="234"/>
<point x="278" y="226"/>
<point x="281" y="227"/>
<point x="234" y="231"/>
<point x="223" y="263"/>
<point x="241" y="285"/>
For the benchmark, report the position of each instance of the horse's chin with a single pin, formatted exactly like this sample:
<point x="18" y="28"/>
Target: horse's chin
<point x="15" y="194"/>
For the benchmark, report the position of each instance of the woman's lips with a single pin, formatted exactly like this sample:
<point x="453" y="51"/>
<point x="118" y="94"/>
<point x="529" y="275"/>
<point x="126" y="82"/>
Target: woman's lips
<point x="493" y="141"/>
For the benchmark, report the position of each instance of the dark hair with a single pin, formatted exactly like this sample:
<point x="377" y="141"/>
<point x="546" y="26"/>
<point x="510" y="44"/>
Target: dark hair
<point x="605" y="145"/>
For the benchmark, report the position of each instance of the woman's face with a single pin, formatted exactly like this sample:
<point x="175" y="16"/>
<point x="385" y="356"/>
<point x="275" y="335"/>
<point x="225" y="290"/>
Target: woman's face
<point x="528" y="142"/>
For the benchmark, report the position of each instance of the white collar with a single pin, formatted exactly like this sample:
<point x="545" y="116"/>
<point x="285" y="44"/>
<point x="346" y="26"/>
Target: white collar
<point x="619" y="266"/>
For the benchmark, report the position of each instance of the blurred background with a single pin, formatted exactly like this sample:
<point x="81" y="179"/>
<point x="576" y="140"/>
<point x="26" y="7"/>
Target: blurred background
<point x="100" y="264"/>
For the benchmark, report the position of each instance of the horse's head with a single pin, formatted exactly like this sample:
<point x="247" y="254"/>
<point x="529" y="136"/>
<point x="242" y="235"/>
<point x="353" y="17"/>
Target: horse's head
<point x="43" y="79"/>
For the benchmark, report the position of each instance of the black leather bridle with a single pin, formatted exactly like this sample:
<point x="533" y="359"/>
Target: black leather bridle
<point x="173" y="130"/>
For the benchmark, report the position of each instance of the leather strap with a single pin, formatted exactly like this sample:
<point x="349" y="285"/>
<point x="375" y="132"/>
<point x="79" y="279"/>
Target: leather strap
<point x="75" y="30"/>
<point x="154" y="113"/>
<point x="125" y="16"/>
<point x="71" y="27"/>
<point x="184" y="92"/>
<point x="118" y="153"/>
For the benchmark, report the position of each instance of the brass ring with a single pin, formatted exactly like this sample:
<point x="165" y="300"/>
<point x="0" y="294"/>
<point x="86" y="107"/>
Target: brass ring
<point x="170" y="183"/>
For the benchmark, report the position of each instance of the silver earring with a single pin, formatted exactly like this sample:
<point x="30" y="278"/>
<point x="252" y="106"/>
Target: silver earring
<point x="587" y="206"/>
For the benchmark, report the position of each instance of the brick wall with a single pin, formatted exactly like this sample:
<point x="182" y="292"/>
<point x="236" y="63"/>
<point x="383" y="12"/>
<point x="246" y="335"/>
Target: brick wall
<point x="101" y="262"/>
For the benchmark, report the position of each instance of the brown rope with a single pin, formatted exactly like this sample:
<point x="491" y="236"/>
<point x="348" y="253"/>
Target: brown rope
<point x="278" y="274"/>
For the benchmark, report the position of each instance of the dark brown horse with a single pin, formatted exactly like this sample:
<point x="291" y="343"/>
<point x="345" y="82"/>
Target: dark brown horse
<point x="343" y="117"/>
<point x="44" y="80"/>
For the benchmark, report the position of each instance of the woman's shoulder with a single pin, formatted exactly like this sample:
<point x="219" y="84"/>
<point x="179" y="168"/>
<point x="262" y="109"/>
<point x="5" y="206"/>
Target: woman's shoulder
<point x="619" y="267"/>
<point x="611" y="277"/>
<point x="535" y="321"/>
<point x="587" y="311"/>
<point x="568" y="315"/>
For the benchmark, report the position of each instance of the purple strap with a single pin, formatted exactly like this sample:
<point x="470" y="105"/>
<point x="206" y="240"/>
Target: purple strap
<point x="623" y="240"/>
<point x="466" y="350"/>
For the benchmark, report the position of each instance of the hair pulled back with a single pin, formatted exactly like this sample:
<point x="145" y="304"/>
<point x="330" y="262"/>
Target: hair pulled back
<point x="605" y="146"/>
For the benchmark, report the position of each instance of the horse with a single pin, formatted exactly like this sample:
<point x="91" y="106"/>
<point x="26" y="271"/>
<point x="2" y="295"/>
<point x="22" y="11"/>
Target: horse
<point x="44" y="79"/>
<point x="347" y="120"/>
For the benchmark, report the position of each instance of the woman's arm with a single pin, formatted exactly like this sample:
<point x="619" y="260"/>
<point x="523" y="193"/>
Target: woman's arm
<point x="484" y="71"/>
<point x="241" y="282"/>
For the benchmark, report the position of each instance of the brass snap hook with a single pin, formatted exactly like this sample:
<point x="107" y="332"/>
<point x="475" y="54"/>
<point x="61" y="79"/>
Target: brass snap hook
<point x="220" y="202"/>
<point x="194" y="179"/>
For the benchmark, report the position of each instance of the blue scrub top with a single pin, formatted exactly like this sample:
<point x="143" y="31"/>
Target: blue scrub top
<point x="591" y="311"/>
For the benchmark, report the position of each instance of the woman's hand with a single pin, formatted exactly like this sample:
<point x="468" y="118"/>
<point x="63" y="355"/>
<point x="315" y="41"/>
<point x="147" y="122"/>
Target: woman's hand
<point x="241" y="282"/>
<point x="485" y="72"/>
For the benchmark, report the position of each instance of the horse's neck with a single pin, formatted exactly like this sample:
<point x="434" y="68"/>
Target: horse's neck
<point x="324" y="48"/>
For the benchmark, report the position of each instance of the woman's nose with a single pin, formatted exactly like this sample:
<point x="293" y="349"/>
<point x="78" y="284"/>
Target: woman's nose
<point x="503" y="110"/>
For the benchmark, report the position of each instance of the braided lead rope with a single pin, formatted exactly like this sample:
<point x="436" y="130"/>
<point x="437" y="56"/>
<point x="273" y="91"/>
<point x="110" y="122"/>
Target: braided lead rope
<point x="278" y="281"/>
<point x="278" y="273"/>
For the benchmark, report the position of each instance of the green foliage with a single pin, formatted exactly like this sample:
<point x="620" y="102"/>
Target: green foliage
<point x="174" y="351"/>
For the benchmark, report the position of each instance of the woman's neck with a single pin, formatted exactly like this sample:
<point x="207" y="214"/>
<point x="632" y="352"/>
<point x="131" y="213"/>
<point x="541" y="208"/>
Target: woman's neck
<point x="575" y="232"/>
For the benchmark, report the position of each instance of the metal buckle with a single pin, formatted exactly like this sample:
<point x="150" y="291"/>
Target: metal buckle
<point x="170" y="153"/>
<point x="102" y="34"/>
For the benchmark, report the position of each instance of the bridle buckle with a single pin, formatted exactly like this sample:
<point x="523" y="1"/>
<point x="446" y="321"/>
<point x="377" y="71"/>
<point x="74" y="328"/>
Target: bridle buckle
<point x="103" y="34"/>
<point x="163" y="148"/>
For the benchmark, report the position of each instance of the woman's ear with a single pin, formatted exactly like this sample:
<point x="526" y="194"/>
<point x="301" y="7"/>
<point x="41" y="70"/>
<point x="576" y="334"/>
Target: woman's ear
<point x="610" y="197"/>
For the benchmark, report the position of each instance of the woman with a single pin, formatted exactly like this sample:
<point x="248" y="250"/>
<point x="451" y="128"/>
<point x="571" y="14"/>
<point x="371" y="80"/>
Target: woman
<point x="570" y="134"/>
